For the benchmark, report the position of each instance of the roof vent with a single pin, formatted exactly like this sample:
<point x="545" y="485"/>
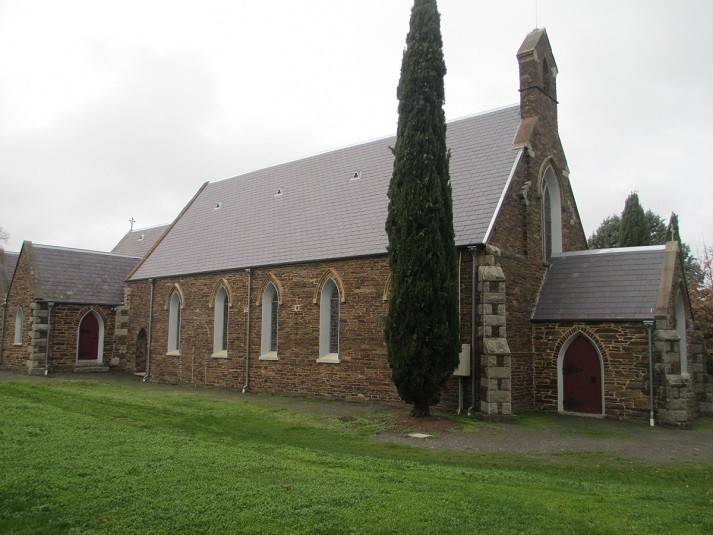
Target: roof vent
<point x="218" y="206"/>
<point x="142" y="236"/>
<point x="280" y="191"/>
<point x="356" y="175"/>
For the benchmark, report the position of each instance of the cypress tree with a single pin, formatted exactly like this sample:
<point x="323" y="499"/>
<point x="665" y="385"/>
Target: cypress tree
<point x="422" y="325"/>
<point x="634" y="229"/>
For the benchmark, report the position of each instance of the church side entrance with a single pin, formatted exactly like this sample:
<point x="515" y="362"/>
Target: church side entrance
<point x="88" y="345"/>
<point x="581" y="376"/>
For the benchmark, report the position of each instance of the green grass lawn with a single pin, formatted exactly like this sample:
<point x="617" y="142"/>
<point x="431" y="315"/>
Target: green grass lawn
<point x="93" y="457"/>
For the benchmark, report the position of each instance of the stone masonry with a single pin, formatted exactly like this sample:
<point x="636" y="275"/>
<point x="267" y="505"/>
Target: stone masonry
<point x="495" y="383"/>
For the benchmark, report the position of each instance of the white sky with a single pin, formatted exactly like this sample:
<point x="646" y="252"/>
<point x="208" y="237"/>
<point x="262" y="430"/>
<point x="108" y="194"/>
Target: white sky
<point x="113" y="110"/>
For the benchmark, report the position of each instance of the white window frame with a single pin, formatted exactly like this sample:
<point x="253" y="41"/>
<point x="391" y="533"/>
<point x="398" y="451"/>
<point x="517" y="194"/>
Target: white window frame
<point x="174" y="324"/>
<point x="325" y="311"/>
<point x="19" y="324"/>
<point x="221" y="317"/>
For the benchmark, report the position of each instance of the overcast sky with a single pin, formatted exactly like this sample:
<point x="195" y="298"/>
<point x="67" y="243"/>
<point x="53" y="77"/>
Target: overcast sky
<point x="114" y="110"/>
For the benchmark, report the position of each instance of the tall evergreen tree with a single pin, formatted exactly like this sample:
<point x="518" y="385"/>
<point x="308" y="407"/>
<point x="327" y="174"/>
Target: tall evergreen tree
<point x="422" y="326"/>
<point x="634" y="230"/>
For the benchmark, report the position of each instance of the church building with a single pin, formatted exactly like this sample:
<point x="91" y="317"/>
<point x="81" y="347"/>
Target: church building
<point x="277" y="281"/>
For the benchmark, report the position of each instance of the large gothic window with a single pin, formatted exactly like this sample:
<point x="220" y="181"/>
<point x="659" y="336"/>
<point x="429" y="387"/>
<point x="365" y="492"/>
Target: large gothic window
<point x="270" y="308"/>
<point x="19" y="321"/>
<point x="220" y="322"/>
<point x="329" y="322"/>
<point x="551" y="215"/>
<point x="174" y="323"/>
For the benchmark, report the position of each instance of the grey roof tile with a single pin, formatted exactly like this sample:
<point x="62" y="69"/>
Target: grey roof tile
<point x="323" y="213"/>
<point x="8" y="261"/>
<point x="79" y="276"/>
<point x="606" y="284"/>
<point x="138" y="242"/>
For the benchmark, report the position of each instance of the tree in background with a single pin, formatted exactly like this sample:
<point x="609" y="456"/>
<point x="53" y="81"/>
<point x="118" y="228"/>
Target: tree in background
<point x="422" y="325"/>
<point x="608" y="235"/>
<point x="634" y="231"/>
<point x="4" y="236"/>
<point x="701" y="295"/>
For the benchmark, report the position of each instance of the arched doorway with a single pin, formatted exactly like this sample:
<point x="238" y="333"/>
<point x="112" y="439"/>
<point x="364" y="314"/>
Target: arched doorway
<point x="141" y="350"/>
<point x="91" y="338"/>
<point x="581" y="377"/>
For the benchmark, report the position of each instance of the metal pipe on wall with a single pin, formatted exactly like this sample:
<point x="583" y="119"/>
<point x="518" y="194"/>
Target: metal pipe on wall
<point x="649" y="325"/>
<point x="473" y="306"/>
<point x="148" y="336"/>
<point x="247" y="333"/>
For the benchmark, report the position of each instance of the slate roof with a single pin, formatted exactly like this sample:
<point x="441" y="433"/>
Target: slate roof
<point x="79" y="276"/>
<point x="602" y="284"/>
<point x="8" y="261"/>
<point x="138" y="242"/>
<point x="323" y="212"/>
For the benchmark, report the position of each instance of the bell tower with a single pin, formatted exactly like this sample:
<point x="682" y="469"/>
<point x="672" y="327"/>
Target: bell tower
<point x="538" y="78"/>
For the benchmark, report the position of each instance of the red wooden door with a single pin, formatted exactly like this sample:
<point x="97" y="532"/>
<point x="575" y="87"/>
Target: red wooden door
<point x="88" y="338"/>
<point x="582" y="378"/>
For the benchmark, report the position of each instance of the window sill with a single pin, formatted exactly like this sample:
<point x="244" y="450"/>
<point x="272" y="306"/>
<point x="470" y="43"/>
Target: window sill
<point x="174" y="353"/>
<point x="220" y="354"/>
<point x="271" y="355"/>
<point x="330" y="358"/>
<point x="17" y="344"/>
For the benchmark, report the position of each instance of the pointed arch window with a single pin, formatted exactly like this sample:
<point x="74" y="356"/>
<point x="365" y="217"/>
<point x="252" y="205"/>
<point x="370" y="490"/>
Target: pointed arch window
<point x="174" y="323"/>
<point x="329" y="323"/>
<point x="551" y="215"/>
<point x="220" y="323"/>
<point x="270" y="314"/>
<point x="19" y="322"/>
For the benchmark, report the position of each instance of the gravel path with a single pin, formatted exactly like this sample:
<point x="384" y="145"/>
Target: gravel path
<point x="565" y="434"/>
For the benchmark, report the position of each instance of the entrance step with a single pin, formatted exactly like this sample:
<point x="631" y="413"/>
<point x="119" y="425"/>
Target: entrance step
<point x="91" y="368"/>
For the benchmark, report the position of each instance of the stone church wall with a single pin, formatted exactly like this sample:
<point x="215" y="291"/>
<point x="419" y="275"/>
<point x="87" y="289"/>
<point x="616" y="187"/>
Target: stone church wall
<point x="362" y="373"/>
<point x="21" y="294"/>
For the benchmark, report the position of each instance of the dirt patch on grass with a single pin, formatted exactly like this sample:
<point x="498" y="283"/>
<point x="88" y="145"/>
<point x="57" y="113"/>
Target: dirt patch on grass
<point x="406" y="424"/>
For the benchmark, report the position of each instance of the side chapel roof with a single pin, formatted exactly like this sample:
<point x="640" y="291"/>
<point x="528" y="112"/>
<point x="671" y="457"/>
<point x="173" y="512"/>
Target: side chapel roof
<point x="332" y="205"/>
<point x="603" y="284"/>
<point x="78" y="276"/>
<point x="138" y="242"/>
<point x="8" y="261"/>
